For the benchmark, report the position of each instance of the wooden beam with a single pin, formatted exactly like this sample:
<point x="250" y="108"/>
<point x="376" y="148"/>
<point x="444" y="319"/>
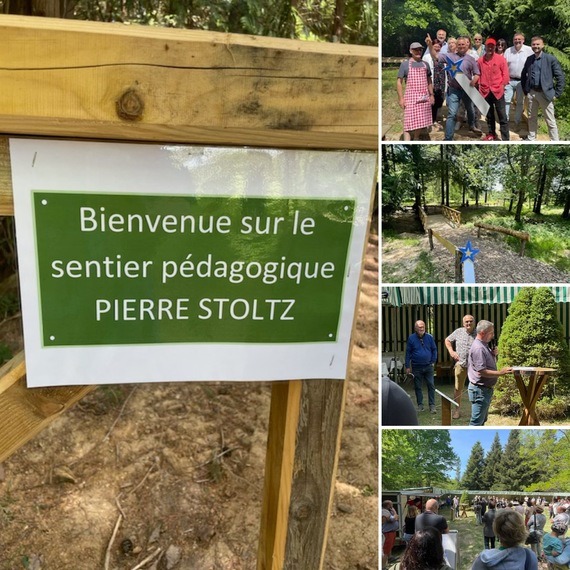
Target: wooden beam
<point x="80" y="79"/>
<point x="25" y="412"/>
<point x="283" y="420"/>
<point x="316" y="458"/>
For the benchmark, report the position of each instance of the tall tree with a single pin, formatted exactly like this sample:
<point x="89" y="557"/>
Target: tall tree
<point x="510" y="474"/>
<point x="492" y="460"/>
<point x="473" y="477"/>
<point x="416" y="458"/>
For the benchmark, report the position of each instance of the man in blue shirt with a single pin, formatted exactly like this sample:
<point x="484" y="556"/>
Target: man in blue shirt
<point x="421" y="355"/>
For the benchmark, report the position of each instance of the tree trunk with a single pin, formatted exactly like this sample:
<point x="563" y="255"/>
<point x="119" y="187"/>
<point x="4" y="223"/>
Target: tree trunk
<point x="417" y="186"/>
<point x="520" y="202"/>
<point x="447" y="180"/>
<point x="566" y="212"/>
<point x="541" y="187"/>
<point x="338" y="22"/>
<point x="442" y="173"/>
<point x="385" y="161"/>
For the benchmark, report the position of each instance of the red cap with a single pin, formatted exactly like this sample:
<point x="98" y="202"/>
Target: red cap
<point x="490" y="41"/>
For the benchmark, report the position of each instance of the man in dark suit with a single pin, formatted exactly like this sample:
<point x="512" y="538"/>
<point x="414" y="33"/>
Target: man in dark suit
<point x="543" y="81"/>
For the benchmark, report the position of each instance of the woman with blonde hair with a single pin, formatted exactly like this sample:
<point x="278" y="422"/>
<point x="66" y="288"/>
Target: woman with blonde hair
<point x="511" y="531"/>
<point x="410" y="523"/>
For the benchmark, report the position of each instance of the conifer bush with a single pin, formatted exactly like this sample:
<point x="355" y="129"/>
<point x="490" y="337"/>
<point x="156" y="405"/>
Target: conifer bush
<point x="532" y="335"/>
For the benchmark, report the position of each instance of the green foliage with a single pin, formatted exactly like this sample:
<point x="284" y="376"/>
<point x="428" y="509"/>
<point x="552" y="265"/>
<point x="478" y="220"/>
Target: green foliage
<point x="305" y="19"/>
<point x="532" y="335"/>
<point x="492" y="459"/>
<point x="413" y="458"/>
<point x="464" y="500"/>
<point x="473" y="477"/>
<point x="5" y="353"/>
<point x="511" y="471"/>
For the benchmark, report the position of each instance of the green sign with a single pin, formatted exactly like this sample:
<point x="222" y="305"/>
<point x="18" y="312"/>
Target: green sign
<point x="139" y="269"/>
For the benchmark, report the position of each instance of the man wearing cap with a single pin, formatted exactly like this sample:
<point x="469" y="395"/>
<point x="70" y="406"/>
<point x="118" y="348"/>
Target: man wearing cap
<point x="494" y="76"/>
<point x="455" y="93"/>
<point x="516" y="57"/>
<point x="543" y="81"/>
<point x="418" y="97"/>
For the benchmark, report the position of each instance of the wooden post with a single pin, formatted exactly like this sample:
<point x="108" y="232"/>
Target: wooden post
<point x="458" y="272"/>
<point x="283" y="420"/>
<point x="446" y="408"/>
<point x="523" y="244"/>
<point x="430" y="237"/>
<point x="186" y="87"/>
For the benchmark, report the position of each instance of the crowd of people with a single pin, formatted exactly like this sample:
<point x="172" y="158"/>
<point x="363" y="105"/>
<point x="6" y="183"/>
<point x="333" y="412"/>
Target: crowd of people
<point x="514" y="534"/>
<point x="478" y="75"/>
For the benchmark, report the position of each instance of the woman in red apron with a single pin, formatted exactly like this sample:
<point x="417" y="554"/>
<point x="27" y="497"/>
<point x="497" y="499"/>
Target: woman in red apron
<point x="418" y="97"/>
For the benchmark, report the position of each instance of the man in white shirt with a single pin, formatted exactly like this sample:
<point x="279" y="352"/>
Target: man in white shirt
<point x="516" y="57"/>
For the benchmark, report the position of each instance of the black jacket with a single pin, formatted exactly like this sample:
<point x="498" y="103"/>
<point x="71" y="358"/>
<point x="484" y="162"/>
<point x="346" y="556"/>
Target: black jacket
<point x="552" y="80"/>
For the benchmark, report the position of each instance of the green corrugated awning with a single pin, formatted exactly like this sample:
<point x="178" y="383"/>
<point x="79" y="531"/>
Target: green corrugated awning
<point x="456" y="295"/>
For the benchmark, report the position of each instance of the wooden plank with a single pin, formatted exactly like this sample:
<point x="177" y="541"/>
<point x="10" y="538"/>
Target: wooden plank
<point x="6" y="198"/>
<point x="12" y="371"/>
<point x="521" y="235"/>
<point x="445" y="242"/>
<point x="283" y="420"/>
<point x="316" y="460"/>
<point x="110" y="81"/>
<point x="316" y="456"/>
<point x="25" y="412"/>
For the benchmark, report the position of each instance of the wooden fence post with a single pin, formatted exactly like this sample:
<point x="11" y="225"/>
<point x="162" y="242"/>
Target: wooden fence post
<point x="430" y="237"/>
<point x="458" y="271"/>
<point x="285" y="103"/>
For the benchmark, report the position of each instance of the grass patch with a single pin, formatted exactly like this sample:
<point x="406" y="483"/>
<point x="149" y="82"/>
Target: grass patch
<point x="549" y="235"/>
<point x="392" y="114"/>
<point x="425" y="271"/>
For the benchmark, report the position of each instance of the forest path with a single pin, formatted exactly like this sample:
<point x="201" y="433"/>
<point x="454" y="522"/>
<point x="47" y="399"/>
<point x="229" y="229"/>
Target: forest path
<point x="495" y="262"/>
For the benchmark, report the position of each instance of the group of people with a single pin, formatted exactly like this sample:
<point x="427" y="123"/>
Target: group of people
<point x="455" y="71"/>
<point x="475" y="360"/>
<point x="507" y="528"/>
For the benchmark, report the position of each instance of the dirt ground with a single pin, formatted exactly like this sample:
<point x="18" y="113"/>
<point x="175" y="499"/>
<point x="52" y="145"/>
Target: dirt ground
<point x="182" y="465"/>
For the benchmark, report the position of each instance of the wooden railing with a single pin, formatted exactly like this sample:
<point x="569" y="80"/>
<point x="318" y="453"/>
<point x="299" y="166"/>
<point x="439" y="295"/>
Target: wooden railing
<point x="523" y="236"/>
<point x="454" y="216"/>
<point x="451" y="248"/>
<point x="424" y="219"/>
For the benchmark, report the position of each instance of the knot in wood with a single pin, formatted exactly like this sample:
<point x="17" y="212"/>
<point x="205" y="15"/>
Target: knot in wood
<point x="303" y="511"/>
<point x="130" y="106"/>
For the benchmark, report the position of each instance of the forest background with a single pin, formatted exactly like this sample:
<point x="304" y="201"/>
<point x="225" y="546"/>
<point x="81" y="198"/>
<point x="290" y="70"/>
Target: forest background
<point x="531" y="460"/>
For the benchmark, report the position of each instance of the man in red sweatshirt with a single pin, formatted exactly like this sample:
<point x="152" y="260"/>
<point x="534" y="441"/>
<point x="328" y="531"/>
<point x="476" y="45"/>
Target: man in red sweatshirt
<point x="494" y="76"/>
